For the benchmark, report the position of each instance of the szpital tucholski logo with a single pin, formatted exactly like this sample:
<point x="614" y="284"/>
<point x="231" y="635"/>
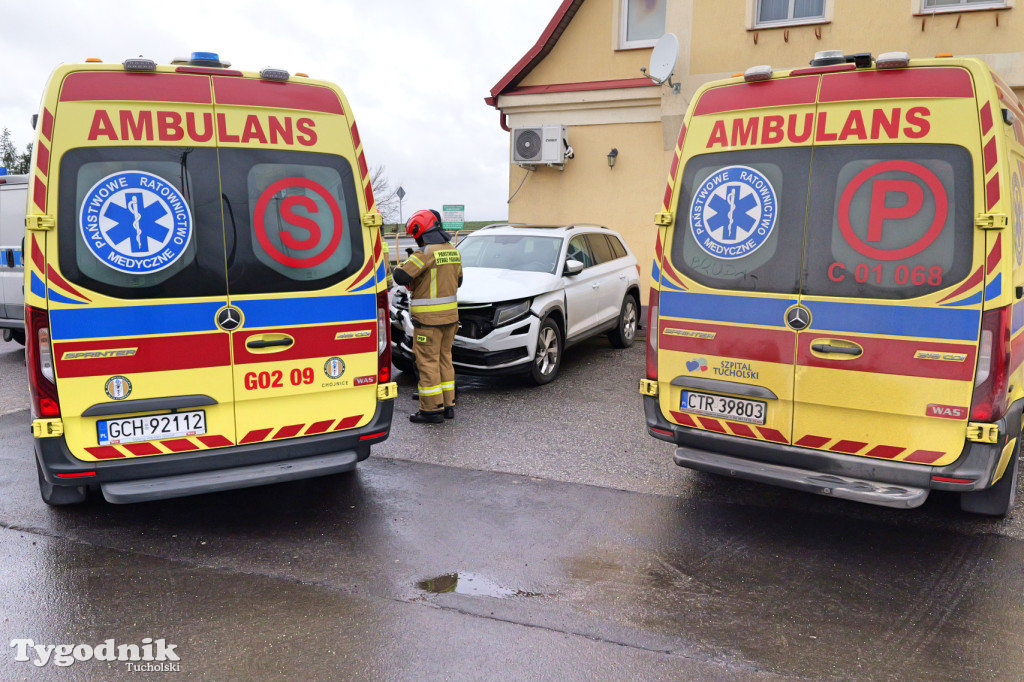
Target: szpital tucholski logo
<point x="733" y="212"/>
<point x="135" y="222"/>
<point x="148" y="656"/>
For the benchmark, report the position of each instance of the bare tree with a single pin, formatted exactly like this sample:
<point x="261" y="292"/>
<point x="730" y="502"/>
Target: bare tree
<point x="384" y="194"/>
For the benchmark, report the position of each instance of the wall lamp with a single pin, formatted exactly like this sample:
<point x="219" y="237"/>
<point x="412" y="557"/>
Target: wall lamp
<point x="611" y="157"/>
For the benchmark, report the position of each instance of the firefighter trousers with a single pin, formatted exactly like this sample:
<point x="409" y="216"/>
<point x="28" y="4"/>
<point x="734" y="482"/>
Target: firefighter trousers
<point x="433" y="346"/>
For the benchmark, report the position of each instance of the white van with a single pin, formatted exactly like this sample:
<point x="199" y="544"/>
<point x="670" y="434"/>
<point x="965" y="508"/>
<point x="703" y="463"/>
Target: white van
<point x="13" y="204"/>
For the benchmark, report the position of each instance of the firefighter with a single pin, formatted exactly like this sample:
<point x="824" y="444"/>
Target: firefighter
<point x="433" y="274"/>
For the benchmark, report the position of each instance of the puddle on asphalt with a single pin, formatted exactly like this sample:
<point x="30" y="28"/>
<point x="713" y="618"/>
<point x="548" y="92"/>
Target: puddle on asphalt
<point x="471" y="584"/>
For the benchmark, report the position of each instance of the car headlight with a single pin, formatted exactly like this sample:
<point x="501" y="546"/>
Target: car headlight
<point x="505" y="313"/>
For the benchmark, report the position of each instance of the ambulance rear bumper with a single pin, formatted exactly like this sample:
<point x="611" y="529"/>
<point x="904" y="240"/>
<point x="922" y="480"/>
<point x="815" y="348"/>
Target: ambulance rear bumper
<point x="165" y="476"/>
<point x="865" y="479"/>
<point x="845" y="487"/>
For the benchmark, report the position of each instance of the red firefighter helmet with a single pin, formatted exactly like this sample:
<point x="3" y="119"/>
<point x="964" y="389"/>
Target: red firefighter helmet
<point x="420" y="222"/>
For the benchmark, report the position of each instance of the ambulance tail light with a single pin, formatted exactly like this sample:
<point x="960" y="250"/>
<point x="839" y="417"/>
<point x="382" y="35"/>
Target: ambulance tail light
<point x="39" y="358"/>
<point x="893" y="60"/>
<point x="383" y="339"/>
<point x="653" y="307"/>
<point x="992" y="375"/>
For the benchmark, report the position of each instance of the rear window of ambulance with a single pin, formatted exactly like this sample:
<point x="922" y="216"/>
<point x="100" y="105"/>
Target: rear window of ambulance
<point x="889" y="221"/>
<point x="291" y="220"/>
<point x="741" y="216"/>
<point x="141" y="222"/>
<point x="161" y="222"/>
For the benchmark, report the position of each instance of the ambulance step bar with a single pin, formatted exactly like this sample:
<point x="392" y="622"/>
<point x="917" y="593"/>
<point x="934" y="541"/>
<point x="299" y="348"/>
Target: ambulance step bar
<point x="147" y="490"/>
<point x="883" y="494"/>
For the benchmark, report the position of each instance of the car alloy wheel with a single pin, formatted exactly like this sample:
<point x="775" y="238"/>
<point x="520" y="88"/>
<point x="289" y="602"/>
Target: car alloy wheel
<point x="549" y="352"/>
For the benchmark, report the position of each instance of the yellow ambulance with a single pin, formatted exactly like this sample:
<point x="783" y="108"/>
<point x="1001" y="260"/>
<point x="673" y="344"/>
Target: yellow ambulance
<point x="204" y="282"/>
<point x="837" y="292"/>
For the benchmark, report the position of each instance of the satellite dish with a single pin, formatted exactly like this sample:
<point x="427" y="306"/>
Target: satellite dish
<point x="663" y="59"/>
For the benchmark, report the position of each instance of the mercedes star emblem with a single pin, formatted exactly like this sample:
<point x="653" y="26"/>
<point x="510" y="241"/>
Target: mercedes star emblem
<point x="229" y="318"/>
<point x="798" y="317"/>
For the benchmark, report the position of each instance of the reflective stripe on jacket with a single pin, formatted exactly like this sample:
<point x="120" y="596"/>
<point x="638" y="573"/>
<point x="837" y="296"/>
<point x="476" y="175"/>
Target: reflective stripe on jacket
<point x="435" y="273"/>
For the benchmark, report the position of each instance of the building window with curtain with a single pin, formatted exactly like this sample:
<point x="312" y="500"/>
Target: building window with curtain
<point x="642" y="22"/>
<point x="932" y="6"/>
<point x="788" y="12"/>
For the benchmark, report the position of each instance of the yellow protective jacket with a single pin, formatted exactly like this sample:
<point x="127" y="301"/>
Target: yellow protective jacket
<point x="436" y="273"/>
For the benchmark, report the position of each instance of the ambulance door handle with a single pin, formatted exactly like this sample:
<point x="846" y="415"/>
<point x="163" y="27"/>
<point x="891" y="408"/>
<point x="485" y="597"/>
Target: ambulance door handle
<point x="829" y="348"/>
<point x="264" y="343"/>
<point x="260" y="343"/>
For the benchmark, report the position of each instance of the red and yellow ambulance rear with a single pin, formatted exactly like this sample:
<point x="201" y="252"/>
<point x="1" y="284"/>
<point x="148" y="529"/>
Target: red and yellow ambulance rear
<point x="836" y="304"/>
<point x="205" y="296"/>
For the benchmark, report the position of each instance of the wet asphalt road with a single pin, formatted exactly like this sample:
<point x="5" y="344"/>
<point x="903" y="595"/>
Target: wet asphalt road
<point x="542" y="535"/>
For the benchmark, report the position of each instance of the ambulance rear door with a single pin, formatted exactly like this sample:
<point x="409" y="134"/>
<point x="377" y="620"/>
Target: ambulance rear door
<point x="895" y="273"/>
<point x="731" y="268"/>
<point x="133" y="275"/>
<point x="302" y="270"/>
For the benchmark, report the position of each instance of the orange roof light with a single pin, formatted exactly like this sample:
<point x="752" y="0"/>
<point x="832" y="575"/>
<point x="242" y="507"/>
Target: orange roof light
<point x="91" y="60"/>
<point x="944" y="54"/>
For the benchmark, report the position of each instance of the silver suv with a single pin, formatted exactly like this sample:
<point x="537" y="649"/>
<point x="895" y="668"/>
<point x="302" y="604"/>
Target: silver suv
<point x="531" y="291"/>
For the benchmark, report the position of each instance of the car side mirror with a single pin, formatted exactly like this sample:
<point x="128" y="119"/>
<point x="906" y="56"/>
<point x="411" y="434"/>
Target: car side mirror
<point x="572" y="267"/>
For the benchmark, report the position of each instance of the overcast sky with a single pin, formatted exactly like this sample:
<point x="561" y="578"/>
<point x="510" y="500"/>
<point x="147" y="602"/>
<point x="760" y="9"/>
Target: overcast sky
<point x="415" y="71"/>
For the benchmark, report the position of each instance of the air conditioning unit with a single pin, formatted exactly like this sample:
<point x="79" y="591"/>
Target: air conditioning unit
<point x="541" y="145"/>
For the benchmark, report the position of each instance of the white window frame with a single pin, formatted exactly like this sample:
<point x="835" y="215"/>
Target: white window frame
<point x="623" y="26"/>
<point x="755" y="12"/>
<point x="963" y="6"/>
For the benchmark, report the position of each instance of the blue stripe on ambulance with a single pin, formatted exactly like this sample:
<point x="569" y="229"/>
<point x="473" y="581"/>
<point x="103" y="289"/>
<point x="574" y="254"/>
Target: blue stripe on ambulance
<point x="286" y="312"/>
<point x="994" y="288"/>
<point x="371" y="282"/>
<point x="170" y="318"/>
<point x="852" y="318"/>
<point x="893" y="320"/>
<point x="37" y="287"/>
<point x="61" y="298"/>
<point x="767" y="312"/>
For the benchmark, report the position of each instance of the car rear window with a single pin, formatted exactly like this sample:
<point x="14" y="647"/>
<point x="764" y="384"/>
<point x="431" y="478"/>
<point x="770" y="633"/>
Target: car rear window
<point x="600" y="247"/>
<point x="617" y="248"/>
<point x="889" y="221"/>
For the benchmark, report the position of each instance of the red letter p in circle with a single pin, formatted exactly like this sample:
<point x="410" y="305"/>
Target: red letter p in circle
<point x="880" y="189"/>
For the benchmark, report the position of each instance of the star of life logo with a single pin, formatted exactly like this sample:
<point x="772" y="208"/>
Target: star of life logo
<point x="733" y="212"/>
<point x="135" y="222"/>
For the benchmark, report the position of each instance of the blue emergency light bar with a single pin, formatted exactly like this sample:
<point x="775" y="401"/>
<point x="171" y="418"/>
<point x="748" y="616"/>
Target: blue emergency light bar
<point x="207" y="59"/>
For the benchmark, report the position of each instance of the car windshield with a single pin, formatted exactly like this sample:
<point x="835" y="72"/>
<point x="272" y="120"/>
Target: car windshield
<point x="528" y="253"/>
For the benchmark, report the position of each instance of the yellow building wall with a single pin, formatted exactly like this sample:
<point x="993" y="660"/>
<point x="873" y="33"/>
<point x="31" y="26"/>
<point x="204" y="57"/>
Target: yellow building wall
<point x="857" y="26"/>
<point x="624" y="198"/>
<point x="585" y="52"/>
<point x="714" y="42"/>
